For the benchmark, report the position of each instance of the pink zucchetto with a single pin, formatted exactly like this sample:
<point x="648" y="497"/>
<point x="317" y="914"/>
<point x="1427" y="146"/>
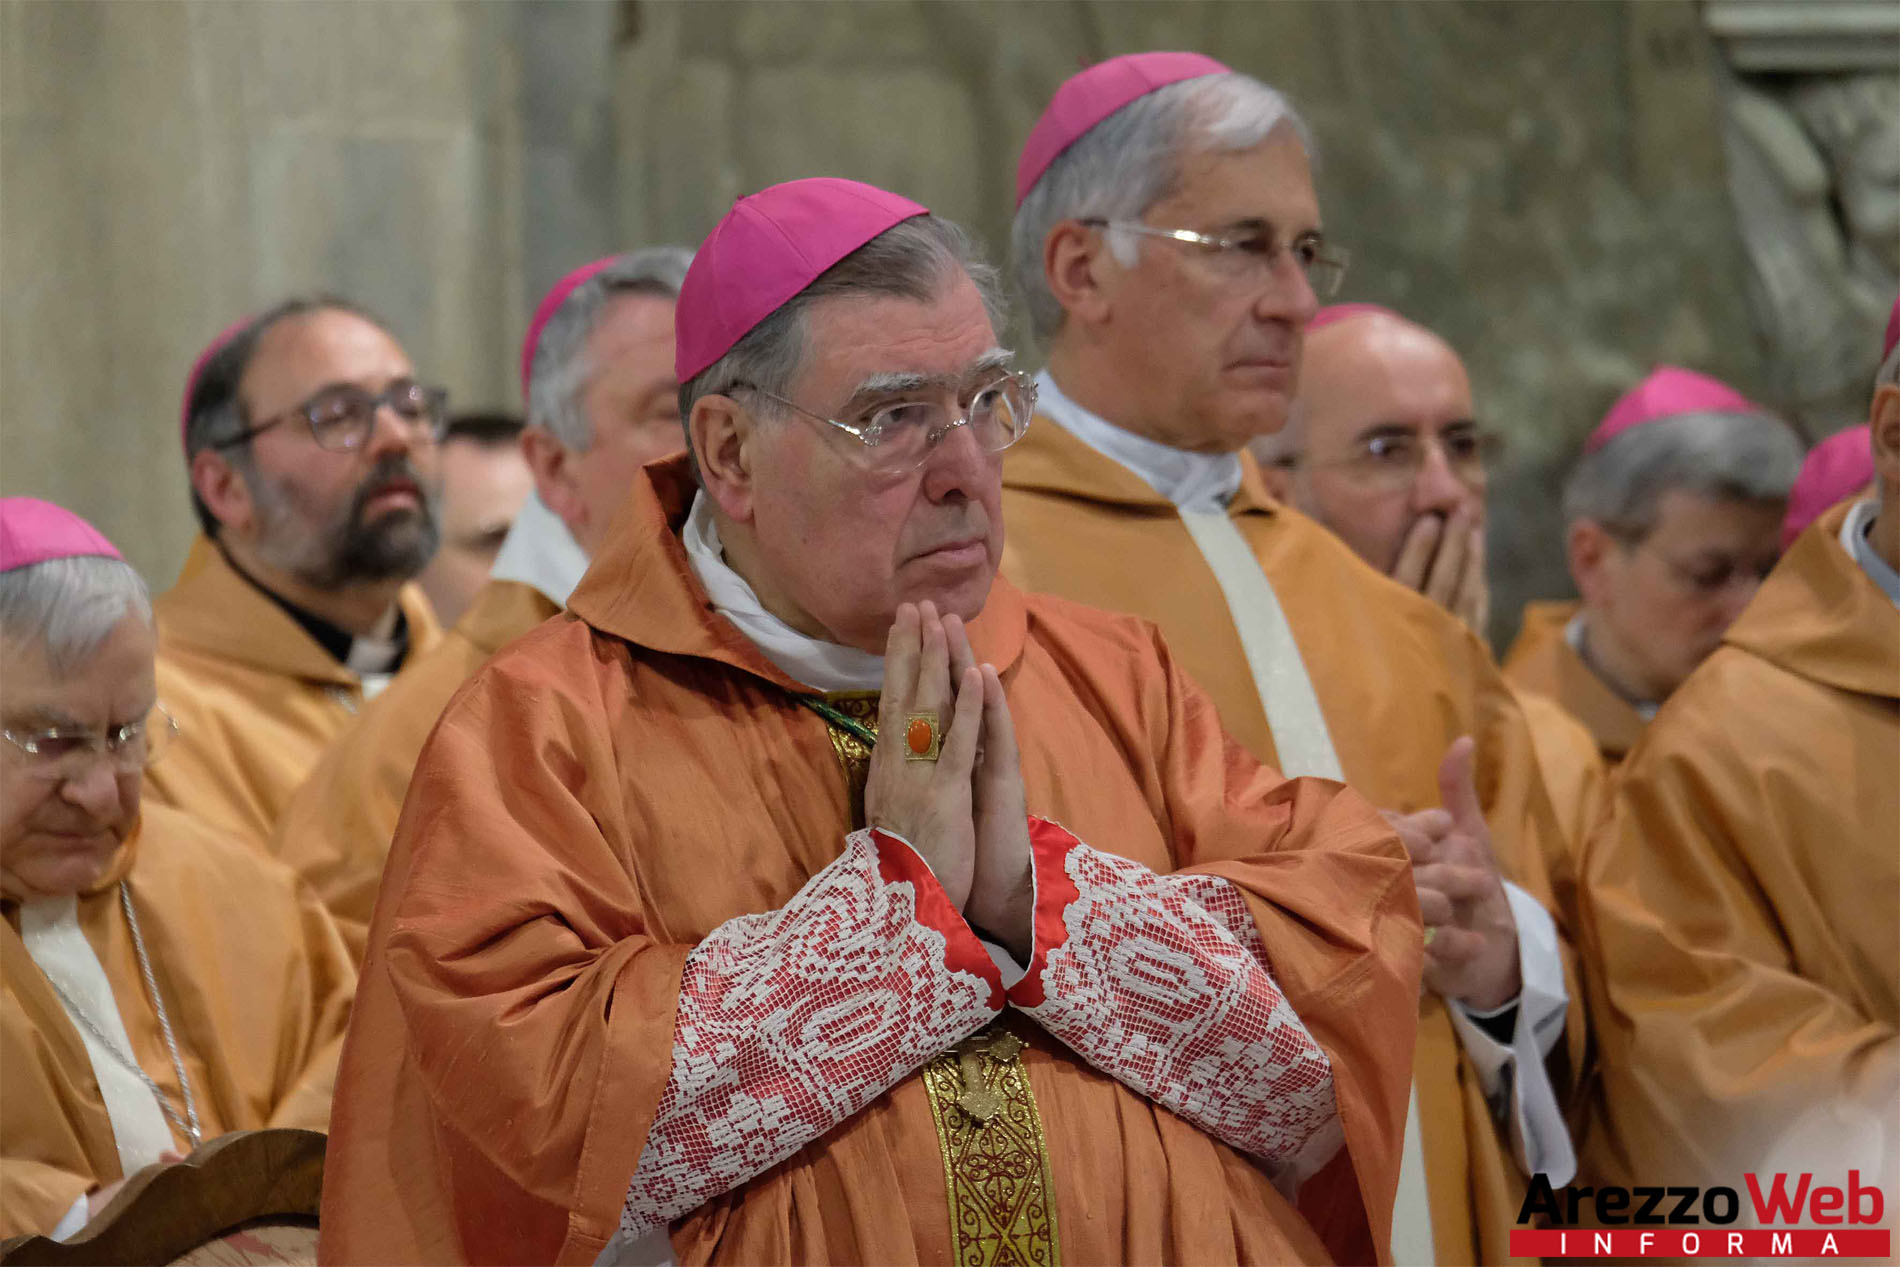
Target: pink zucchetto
<point x="1668" y="391"/>
<point x="1834" y="470"/>
<point x="769" y="247"/>
<point x="33" y="531"/>
<point x="212" y="348"/>
<point x="1085" y="99"/>
<point x="545" y="310"/>
<point x="1336" y="313"/>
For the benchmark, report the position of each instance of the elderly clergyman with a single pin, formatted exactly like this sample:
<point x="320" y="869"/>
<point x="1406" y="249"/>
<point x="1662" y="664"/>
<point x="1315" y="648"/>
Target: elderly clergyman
<point x="805" y="893"/>
<point x="1170" y="245"/>
<point x="1672" y="520"/>
<point x="1384" y="448"/>
<point x="160" y="984"/>
<point x="1741" y="902"/>
<point x="597" y="376"/>
<point x="311" y="445"/>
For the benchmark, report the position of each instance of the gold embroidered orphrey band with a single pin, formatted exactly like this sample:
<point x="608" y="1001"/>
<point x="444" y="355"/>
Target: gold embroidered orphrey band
<point x="995" y="1159"/>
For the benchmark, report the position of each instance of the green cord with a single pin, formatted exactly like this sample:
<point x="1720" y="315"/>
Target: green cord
<point x="850" y="725"/>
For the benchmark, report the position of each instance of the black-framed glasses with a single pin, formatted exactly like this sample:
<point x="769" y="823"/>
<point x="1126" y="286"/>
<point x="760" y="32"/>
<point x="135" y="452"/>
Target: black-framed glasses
<point x="1250" y="257"/>
<point x="900" y="436"/>
<point x="341" y="416"/>
<point x="67" y="752"/>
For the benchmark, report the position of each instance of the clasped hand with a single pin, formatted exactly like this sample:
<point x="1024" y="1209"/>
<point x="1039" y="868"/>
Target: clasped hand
<point x="965" y="812"/>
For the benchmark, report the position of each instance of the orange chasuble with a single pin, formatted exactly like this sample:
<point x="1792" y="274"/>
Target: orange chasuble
<point x="257" y="699"/>
<point x="1397" y="678"/>
<point x="1542" y="660"/>
<point x="337" y="829"/>
<point x="1575" y="776"/>
<point x="623" y="806"/>
<point x="1740" y="907"/>
<point x="253" y="977"/>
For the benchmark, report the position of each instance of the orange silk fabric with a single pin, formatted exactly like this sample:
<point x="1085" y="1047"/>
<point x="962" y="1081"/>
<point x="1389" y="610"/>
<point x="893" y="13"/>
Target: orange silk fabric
<point x="1542" y="660"/>
<point x="254" y="978"/>
<point x="337" y="829"/>
<point x="1398" y="679"/>
<point x="628" y="777"/>
<point x="257" y="699"/>
<point x="1740" y="907"/>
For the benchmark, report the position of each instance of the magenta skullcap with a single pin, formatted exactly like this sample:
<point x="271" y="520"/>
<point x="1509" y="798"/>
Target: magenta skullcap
<point x="212" y="348"/>
<point x="1667" y="392"/>
<point x="33" y="531"/>
<point x="545" y="310"/>
<point x="1086" y="98"/>
<point x="1336" y="313"/>
<point x="1833" y="471"/>
<point x="765" y="250"/>
<point x="1893" y="332"/>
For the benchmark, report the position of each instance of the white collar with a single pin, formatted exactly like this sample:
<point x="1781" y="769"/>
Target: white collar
<point x="827" y="666"/>
<point x="1859" y="545"/>
<point x="540" y="552"/>
<point x="1574" y="635"/>
<point x="1192" y="481"/>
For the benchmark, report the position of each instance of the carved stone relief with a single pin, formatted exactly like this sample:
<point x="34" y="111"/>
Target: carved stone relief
<point x="1812" y="129"/>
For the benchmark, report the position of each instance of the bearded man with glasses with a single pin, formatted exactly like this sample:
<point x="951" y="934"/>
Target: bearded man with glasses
<point x="312" y="451"/>
<point x="160" y="983"/>
<point x="1170" y="245"/>
<point x="729" y="917"/>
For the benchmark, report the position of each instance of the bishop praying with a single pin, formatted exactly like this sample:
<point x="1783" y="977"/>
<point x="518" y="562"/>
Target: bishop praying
<point x="807" y="892"/>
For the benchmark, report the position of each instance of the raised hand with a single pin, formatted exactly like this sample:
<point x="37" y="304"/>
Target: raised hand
<point x="1471" y="937"/>
<point x="928" y="803"/>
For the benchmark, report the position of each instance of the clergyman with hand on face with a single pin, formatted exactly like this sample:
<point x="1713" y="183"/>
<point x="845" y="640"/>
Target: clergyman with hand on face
<point x="160" y="983"/>
<point x="1383" y="448"/>
<point x="311" y="444"/>
<point x="860" y="907"/>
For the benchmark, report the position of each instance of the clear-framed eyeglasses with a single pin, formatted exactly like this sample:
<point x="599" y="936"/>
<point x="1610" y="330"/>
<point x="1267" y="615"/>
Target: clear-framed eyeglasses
<point x="900" y="436"/>
<point x="341" y="416"/>
<point x="67" y="752"/>
<point x="1249" y="258"/>
<point x="1393" y="460"/>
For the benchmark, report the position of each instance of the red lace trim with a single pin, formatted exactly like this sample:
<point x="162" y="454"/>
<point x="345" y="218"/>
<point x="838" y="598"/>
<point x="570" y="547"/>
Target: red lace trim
<point x="793" y="1020"/>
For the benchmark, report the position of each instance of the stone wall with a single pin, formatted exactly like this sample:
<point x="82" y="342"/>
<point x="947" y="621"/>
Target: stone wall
<point x="1543" y="183"/>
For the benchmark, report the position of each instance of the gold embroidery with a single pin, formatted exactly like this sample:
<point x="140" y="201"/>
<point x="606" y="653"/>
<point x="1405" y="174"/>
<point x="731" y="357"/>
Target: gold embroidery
<point x="854" y="755"/>
<point x="995" y="1160"/>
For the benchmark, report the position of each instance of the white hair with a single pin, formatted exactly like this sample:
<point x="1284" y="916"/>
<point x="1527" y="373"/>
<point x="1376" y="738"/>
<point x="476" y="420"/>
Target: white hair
<point x="70" y="607"/>
<point x="1130" y="161"/>
<point x="1727" y="456"/>
<point x="559" y="372"/>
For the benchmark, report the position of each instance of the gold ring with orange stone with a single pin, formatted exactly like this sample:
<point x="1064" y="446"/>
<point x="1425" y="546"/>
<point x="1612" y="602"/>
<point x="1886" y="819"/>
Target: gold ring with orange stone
<point x="923" y="737"/>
